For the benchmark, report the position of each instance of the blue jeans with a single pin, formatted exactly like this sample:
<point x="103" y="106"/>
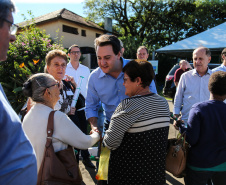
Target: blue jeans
<point x="201" y="177"/>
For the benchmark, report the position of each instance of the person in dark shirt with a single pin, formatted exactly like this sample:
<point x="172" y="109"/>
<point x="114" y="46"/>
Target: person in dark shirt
<point x="205" y="132"/>
<point x="184" y="66"/>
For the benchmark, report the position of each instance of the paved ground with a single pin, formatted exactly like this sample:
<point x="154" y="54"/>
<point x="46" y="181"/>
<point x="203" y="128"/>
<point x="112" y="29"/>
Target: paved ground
<point x="88" y="174"/>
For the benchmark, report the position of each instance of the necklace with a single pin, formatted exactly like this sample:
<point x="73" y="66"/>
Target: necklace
<point x="144" y="93"/>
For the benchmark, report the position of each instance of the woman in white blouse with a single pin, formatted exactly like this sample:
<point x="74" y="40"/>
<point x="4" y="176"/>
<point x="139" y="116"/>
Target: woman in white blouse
<point x="44" y="91"/>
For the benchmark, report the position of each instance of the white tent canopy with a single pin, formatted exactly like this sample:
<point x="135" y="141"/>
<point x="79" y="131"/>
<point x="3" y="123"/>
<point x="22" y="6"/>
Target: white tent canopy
<point x="214" y="39"/>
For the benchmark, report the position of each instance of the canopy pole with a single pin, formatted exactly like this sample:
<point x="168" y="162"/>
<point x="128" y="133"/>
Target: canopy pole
<point x="153" y="55"/>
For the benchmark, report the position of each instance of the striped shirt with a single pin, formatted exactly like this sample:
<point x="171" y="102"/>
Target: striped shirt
<point x="137" y="136"/>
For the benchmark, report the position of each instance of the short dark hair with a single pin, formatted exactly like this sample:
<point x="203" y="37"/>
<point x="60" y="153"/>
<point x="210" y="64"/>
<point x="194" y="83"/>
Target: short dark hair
<point x="208" y="53"/>
<point x="105" y="40"/>
<point x="223" y="53"/>
<point x="142" y="47"/>
<point x="142" y="69"/>
<point x="55" y="53"/>
<point x="217" y="83"/>
<point x="5" y="7"/>
<point x="73" y="46"/>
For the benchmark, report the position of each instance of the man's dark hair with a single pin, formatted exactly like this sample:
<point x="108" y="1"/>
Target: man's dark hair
<point x="217" y="83"/>
<point x="73" y="46"/>
<point x="142" y="69"/>
<point x="6" y="6"/>
<point x="105" y="40"/>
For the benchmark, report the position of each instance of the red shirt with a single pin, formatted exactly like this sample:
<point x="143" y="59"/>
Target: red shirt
<point x="178" y="74"/>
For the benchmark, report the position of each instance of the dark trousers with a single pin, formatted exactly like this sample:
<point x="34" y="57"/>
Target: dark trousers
<point x="201" y="177"/>
<point x="80" y="120"/>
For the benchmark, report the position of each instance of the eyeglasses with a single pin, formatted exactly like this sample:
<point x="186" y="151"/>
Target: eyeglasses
<point x="56" y="84"/>
<point x="62" y="65"/>
<point x="13" y="27"/>
<point x="75" y="52"/>
<point x="125" y="79"/>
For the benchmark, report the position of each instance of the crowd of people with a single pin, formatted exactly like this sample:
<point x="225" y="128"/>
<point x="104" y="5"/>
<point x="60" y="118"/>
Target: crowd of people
<point x="136" y="123"/>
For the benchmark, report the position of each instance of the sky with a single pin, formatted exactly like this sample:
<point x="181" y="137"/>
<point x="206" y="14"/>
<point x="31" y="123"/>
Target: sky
<point x="42" y="7"/>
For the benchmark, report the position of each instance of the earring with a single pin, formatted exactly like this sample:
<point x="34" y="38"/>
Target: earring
<point x="137" y="85"/>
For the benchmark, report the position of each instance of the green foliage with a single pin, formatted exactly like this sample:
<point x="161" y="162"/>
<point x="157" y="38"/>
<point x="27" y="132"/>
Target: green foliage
<point x="25" y="57"/>
<point x="157" y="23"/>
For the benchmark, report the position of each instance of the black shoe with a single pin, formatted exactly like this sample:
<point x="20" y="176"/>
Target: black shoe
<point x="88" y="163"/>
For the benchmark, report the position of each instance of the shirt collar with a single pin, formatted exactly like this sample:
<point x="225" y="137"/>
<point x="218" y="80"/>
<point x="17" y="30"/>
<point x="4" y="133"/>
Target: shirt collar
<point x="223" y="66"/>
<point x="196" y="73"/>
<point x="69" y="65"/>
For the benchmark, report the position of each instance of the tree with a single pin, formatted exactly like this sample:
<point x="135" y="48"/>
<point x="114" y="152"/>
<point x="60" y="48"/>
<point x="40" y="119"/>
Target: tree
<point x="25" y="57"/>
<point x="158" y="23"/>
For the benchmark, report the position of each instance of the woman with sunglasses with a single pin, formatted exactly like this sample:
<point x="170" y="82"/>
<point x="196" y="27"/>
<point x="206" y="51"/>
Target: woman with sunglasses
<point x="44" y="90"/>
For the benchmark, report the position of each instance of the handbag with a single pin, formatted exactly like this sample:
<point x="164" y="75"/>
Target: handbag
<point x="58" y="168"/>
<point x="177" y="151"/>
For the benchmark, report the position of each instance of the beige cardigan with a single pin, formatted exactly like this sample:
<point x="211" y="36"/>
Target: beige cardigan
<point x="65" y="131"/>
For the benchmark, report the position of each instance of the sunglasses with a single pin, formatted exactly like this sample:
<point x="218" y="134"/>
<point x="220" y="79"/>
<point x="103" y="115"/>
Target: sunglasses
<point x="125" y="79"/>
<point x="56" y="84"/>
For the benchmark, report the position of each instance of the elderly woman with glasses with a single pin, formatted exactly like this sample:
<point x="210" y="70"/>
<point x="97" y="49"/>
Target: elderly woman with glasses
<point x="44" y="90"/>
<point x="138" y="131"/>
<point x="56" y="63"/>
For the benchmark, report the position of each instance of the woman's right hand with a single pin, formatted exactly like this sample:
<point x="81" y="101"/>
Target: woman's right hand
<point x="94" y="129"/>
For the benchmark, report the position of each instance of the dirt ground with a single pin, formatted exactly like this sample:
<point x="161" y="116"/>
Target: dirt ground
<point x="88" y="174"/>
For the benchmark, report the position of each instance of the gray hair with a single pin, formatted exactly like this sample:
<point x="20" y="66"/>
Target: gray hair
<point x="36" y="85"/>
<point x="6" y="6"/>
<point x="207" y="50"/>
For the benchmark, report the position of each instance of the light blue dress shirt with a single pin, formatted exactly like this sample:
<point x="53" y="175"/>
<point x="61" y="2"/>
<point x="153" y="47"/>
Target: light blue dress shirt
<point x="192" y="88"/>
<point x="107" y="89"/>
<point x="222" y="67"/>
<point x="18" y="164"/>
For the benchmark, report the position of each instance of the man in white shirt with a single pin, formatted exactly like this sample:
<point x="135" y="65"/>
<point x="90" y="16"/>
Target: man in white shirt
<point x="222" y="67"/>
<point x="75" y="69"/>
<point x="193" y="85"/>
<point x="142" y="54"/>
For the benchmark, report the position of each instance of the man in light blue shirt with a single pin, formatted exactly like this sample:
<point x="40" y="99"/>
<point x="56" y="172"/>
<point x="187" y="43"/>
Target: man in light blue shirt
<point x="18" y="164"/>
<point x="193" y="85"/>
<point x="222" y="67"/>
<point x="105" y="83"/>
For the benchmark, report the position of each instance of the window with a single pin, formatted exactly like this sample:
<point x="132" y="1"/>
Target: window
<point x="84" y="33"/>
<point x="97" y="35"/>
<point x="69" y="29"/>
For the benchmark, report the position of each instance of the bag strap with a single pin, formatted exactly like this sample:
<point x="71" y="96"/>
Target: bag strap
<point x="50" y="128"/>
<point x="48" y="144"/>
